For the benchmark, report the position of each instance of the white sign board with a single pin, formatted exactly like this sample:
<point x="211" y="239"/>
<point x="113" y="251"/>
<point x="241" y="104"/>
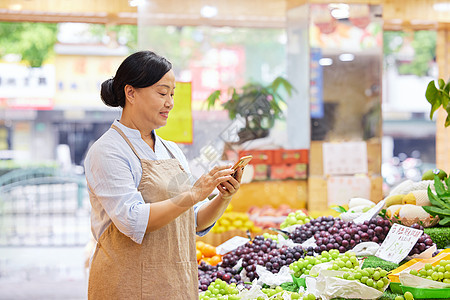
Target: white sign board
<point x="398" y="243"/>
<point x="345" y="158"/>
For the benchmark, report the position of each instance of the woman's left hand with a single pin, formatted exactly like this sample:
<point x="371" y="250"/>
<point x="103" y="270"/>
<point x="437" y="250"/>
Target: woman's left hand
<point x="229" y="188"/>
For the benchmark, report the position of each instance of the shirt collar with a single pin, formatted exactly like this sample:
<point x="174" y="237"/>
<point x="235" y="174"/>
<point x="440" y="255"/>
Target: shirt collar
<point x="132" y="133"/>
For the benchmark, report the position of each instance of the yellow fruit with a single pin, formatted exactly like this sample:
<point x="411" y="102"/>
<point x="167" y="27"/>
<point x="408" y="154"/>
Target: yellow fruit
<point x="256" y="229"/>
<point x="238" y="223"/>
<point x="224" y="222"/>
<point x="409" y="199"/>
<point x="249" y="224"/>
<point x="218" y="229"/>
<point x="393" y="200"/>
<point x="393" y="210"/>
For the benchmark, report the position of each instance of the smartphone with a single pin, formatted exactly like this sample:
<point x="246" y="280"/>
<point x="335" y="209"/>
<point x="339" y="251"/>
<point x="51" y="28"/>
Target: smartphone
<point x="243" y="161"/>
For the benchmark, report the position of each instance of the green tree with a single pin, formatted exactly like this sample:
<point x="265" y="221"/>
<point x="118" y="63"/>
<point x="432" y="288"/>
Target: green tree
<point x="125" y="34"/>
<point x="424" y="45"/>
<point x="34" y="42"/>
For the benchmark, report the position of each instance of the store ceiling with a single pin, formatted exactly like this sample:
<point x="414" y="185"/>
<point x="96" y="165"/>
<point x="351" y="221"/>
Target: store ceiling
<point x="253" y="13"/>
<point x="242" y="13"/>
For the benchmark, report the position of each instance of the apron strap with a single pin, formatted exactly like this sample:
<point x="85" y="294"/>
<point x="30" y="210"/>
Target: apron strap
<point x="126" y="139"/>
<point x="167" y="148"/>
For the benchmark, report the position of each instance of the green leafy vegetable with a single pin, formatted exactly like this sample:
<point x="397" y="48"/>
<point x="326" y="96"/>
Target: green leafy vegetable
<point x="440" y="202"/>
<point x="373" y="262"/>
<point x="438" y="96"/>
<point x="289" y="286"/>
<point x="440" y="236"/>
<point x="339" y="209"/>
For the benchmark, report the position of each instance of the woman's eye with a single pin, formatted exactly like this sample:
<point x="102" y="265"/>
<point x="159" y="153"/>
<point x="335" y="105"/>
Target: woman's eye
<point x="162" y="94"/>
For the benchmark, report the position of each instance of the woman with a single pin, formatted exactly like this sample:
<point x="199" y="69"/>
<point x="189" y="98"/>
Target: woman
<point x="144" y="217"/>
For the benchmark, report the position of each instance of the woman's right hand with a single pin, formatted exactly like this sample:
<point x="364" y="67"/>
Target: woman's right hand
<point x="206" y="184"/>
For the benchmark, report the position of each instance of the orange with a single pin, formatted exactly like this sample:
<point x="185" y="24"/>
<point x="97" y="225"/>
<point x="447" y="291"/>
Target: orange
<point x="209" y="250"/>
<point x="200" y="245"/>
<point x="199" y="255"/>
<point x="207" y="260"/>
<point x="215" y="260"/>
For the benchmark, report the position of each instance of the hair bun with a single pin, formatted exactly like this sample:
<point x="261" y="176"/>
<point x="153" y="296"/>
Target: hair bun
<point x="107" y="93"/>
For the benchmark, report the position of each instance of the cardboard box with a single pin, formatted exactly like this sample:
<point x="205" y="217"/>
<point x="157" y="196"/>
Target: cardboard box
<point x="373" y="158"/>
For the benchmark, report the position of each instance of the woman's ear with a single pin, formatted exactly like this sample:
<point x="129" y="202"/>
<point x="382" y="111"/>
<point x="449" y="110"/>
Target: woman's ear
<point x="130" y="93"/>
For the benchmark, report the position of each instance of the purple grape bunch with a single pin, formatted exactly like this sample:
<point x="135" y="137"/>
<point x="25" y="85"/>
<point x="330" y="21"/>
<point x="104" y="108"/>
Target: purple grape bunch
<point x="304" y="232"/>
<point x="208" y="274"/>
<point x="423" y="243"/>
<point x="263" y="252"/>
<point x="343" y="236"/>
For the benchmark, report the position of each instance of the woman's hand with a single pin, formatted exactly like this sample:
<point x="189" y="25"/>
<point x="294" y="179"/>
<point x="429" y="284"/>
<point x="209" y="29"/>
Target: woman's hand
<point x="229" y="188"/>
<point x="206" y="184"/>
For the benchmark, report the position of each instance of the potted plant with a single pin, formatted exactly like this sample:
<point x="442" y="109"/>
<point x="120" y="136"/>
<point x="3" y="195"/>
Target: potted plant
<point x="438" y="96"/>
<point x="260" y="105"/>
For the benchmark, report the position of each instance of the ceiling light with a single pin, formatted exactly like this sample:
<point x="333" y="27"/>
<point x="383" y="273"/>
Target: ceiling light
<point x="15" y="7"/>
<point x="339" y="13"/>
<point x="208" y="11"/>
<point x="443" y="6"/>
<point x="135" y="3"/>
<point x="325" y="62"/>
<point x="346" y="57"/>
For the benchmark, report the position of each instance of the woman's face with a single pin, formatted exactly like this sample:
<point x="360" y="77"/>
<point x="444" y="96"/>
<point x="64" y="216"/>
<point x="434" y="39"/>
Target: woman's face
<point x="154" y="103"/>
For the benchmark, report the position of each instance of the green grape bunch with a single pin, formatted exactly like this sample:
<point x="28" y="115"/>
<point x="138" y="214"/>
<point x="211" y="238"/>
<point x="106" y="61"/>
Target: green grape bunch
<point x="219" y="290"/>
<point x="341" y="261"/>
<point x="295" y="218"/>
<point x="439" y="272"/>
<point x="372" y="277"/>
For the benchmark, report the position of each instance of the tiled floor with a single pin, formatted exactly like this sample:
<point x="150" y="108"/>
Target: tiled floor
<point x="42" y="273"/>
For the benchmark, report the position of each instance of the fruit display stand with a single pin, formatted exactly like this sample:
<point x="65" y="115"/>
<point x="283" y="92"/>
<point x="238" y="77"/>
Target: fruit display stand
<point x="335" y="239"/>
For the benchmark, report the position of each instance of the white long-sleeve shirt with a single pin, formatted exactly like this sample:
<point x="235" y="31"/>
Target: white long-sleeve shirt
<point x="113" y="173"/>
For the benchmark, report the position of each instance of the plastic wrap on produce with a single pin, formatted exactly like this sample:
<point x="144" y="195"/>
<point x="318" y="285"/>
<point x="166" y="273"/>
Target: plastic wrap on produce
<point x="349" y="216"/>
<point x="253" y="293"/>
<point x="231" y="244"/>
<point x="286" y="242"/>
<point x="291" y="228"/>
<point x="425" y="254"/>
<point x="267" y="277"/>
<point x="311" y="242"/>
<point x="366" y="248"/>
<point x="419" y="282"/>
<point x="329" y="286"/>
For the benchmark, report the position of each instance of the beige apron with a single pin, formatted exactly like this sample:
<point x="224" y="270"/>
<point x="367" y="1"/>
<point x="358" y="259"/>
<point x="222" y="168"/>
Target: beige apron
<point x="164" y="266"/>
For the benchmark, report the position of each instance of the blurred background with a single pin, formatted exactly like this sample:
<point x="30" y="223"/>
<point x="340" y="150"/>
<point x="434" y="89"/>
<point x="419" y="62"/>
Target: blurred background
<point x="358" y="70"/>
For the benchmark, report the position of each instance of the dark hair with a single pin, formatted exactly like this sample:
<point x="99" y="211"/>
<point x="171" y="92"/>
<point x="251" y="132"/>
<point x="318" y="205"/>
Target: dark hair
<point x="140" y="69"/>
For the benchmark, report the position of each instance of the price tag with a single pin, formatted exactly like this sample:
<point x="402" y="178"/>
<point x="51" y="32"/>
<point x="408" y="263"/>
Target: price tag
<point x="370" y="213"/>
<point x="398" y="243"/>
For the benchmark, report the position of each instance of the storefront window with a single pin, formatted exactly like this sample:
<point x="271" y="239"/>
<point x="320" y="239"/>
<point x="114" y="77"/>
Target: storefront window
<point x="409" y="64"/>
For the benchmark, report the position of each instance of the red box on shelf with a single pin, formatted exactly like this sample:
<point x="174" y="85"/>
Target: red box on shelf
<point x="260" y="172"/>
<point x="281" y="172"/>
<point x="294" y="156"/>
<point x="288" y="171"/>
<point x="259" y="156"/>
